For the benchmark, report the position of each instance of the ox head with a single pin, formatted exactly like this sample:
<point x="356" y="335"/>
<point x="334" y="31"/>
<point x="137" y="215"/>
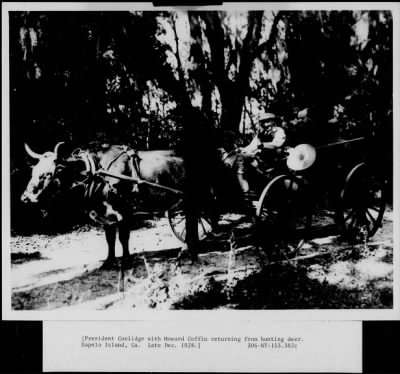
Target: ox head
<point x="44" y="179"/>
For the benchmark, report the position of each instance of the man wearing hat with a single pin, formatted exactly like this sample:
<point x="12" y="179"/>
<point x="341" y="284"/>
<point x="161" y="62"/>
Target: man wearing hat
<point x="266" y="145"/>
<point x="268" y="136"/>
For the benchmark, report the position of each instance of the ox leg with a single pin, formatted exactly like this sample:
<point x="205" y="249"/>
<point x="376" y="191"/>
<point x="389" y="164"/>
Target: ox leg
<point x="124" y="233"/>
<point x="111" y="232"/>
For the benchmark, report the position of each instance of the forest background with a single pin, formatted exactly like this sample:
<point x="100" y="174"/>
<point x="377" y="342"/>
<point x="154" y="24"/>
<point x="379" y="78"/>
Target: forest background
<point x="130" y="77"/>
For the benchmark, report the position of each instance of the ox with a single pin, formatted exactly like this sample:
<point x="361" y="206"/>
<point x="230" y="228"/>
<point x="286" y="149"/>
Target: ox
<point x="108" y="200"/>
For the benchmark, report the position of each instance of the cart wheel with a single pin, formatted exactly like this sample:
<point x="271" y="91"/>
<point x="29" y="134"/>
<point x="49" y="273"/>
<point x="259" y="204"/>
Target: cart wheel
<point x="362" y="203"/>
<point x="177" y="221"/>
<point x="284" y="211"/>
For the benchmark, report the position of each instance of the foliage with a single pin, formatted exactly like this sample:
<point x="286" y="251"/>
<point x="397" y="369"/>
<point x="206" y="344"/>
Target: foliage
<point x="130" y="77"/>
<point x="112" y="75"/>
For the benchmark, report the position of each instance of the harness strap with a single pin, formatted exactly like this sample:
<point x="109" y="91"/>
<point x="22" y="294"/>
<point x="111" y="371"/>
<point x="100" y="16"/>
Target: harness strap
<point x="90" y="183"/>
<point x="92" y="164"/>
<point x="125" y="150"/>
<point x="133" y="159"/>
<point x="87" y="158"/>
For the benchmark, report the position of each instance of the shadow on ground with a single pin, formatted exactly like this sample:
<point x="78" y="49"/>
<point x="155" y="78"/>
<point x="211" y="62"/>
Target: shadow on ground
<point x="229" y="271"/>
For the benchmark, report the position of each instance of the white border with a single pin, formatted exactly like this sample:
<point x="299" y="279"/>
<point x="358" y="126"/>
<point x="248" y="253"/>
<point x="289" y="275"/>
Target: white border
<point x="351" y="314"/>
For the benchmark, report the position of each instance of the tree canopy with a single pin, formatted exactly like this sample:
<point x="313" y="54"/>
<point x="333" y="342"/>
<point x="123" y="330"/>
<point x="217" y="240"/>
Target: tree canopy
<point x="116" y="76"/>
<point x="129" y="77"/>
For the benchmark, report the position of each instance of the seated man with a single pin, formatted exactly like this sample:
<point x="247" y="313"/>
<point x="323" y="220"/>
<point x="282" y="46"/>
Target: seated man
<point x="268" y="135"/>
<point x="268" y="140"/>
<point x="267" y="143"/>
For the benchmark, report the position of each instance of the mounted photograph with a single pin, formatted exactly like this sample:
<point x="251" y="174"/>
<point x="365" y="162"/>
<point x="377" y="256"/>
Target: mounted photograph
<point x="198" y="160"/>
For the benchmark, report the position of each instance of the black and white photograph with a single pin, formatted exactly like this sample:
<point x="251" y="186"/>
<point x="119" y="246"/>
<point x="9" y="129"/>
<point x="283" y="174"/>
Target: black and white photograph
<point x="235" y="160"/>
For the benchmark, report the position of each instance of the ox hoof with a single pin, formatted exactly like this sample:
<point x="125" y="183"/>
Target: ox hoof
<point x="125" y="262"/>
<point x="109" y="264"/>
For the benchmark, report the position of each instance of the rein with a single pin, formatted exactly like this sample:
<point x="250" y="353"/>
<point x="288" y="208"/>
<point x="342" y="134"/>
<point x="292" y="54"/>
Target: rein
<point x="115" y="159"/>
<point x="92" y="182"/>
<point x="87" y="158"/>
<point x="133" y="160"/>
<point x="96" y="176"/>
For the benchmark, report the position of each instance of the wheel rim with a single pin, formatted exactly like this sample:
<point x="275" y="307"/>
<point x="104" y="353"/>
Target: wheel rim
<point x="177" y="222"/>
<point x="362" y="202"/>
<point x="284" y="211"/>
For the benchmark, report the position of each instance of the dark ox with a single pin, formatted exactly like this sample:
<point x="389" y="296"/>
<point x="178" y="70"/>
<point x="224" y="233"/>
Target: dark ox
<point x="110" y="200"/>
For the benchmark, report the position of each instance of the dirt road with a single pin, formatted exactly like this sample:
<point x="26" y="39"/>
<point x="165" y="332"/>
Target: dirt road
<point x="63" y="271"/>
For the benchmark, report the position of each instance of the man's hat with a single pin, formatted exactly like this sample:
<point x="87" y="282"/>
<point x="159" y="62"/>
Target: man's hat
<point x="264" y="117"/>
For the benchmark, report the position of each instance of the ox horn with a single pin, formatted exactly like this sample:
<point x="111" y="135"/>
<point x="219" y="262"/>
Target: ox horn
<point x="31" y="153"/>
<point x="57" y="146"/>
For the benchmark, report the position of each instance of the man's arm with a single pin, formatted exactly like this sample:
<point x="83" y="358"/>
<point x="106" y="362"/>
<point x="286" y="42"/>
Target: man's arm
<point x="253" y="147"/>
<point x="278" y="140"/>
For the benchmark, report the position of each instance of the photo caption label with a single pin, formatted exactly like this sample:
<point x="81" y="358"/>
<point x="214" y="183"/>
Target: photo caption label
<point x="235" y="346"/>
<point x="188" y="342"/>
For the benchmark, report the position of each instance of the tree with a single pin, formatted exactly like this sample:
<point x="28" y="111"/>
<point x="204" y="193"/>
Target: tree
<point x="137" y="77"/>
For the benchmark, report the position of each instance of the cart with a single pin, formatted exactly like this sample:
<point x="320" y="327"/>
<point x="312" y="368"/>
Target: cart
<point x="287" y="201"/>
<point x="288" y="193"/>
<point x="356" y="193"/>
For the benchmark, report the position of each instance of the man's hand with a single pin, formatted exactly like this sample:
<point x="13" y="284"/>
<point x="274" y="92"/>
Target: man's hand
<point x="279" y="137"/>
<point x="253" y="148"/>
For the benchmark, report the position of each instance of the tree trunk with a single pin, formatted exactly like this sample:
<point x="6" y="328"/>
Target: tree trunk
<point x="233" y="92"/>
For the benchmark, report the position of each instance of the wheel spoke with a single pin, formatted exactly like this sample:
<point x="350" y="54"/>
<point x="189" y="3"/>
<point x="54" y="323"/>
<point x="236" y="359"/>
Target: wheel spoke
<point x="370" y="225"/>
<point x="207" y="220"/>
<point x="366" y="221"/>
<point x="282" y="209"/>
<point x="269" y="212"/>
<point x="202" y="225"/>
<point x="372" y="218"/>
<point x="177" y="223"/>
<point x="362" y="201"/>
<point x="354" y="220"/>
<point x="350" y="215"/>
<point x="375" y="209"/>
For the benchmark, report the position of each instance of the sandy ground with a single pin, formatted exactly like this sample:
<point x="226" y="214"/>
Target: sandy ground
<point x="63" y="271"/>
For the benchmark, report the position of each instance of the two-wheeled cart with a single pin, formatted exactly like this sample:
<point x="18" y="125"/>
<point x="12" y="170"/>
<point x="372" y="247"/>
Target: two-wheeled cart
<point x="286" y="198"/>
<point x="355" y="192"/>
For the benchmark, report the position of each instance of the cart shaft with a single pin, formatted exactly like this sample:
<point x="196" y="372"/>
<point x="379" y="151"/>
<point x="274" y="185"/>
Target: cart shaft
<point x="139" y="181"/>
